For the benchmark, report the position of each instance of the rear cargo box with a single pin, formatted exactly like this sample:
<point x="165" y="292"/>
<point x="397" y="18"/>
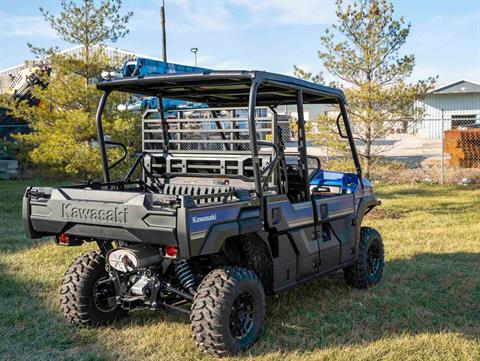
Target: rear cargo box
<point x="100" y="214"/>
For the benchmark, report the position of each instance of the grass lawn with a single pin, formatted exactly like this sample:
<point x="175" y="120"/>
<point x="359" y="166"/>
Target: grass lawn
<point x="427" y="306"/>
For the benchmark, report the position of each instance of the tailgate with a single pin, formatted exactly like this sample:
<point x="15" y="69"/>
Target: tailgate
<point x="99" y="214"/>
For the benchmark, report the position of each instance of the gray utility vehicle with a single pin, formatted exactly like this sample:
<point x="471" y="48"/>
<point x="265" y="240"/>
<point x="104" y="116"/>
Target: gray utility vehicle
<point x="221" y="215"/>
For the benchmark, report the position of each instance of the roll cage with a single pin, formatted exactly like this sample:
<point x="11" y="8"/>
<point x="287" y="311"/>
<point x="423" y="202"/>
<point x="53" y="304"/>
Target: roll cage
<point x="227" y="89"/>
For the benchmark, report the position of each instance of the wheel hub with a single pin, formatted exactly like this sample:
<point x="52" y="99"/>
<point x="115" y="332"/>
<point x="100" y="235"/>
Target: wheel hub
<point x="104" y="295"/>
<point x="241" y="316"/>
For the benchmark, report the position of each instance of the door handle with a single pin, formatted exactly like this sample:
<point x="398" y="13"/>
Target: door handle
<point x="324" y="212"/>
<point x="276" y="215"/>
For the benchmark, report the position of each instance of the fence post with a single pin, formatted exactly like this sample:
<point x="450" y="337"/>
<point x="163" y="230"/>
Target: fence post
<point x="442" y="165"/>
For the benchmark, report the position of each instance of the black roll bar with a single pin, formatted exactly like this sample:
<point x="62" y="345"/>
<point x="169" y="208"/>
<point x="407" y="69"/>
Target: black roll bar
<point x="275" y="139"/>
<point x="302" y="144"/>
<point x="339" y="128"/>
<point x="102" y="142"/>
<point x="101" y="138"/>
<point x="267" y="171"/>
<point x="351" y="141"/>
<point x="163" y="120"/>
<point x="124" y="155"/>
<point x="133" y="167"/>
<point x="253" y="139"/>
<point x="252" y="101"/>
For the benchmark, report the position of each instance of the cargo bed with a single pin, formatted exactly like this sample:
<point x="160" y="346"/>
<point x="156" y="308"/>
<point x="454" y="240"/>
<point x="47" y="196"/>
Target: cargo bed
<point x="137" y="217"/>
<point x="100" y="214"/>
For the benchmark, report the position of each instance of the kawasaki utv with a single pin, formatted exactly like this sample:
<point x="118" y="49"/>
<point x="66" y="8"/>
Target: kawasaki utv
<point x="215" y="213"/>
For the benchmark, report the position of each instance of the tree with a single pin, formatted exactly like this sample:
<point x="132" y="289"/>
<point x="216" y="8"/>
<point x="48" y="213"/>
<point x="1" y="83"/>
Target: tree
<point x="90" y="26"/>
<point x="363" y="52"/>
<point x="63" y="139"/>
<point x="305" y="75"/>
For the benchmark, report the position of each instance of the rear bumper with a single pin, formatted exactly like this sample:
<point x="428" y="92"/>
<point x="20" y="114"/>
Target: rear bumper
<point x="99" y="214"/>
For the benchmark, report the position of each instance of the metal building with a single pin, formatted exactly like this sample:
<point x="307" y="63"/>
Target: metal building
<point x="7" y="75"/>
<point x="455" y="105"/>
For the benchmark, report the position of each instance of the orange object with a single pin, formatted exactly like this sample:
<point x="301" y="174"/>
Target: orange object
<point x="463" y="145"/>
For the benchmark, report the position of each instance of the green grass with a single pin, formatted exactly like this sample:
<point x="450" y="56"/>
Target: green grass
<point x="427" y="306"/>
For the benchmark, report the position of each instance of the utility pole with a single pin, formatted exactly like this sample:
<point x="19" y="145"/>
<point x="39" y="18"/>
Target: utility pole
<point x="194" y="51"/>
<point x="164" y="34"/>
<point x="442" y="154"/>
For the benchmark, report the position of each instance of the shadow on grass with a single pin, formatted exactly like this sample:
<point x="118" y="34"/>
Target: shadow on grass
<point x="31" y="330"/>
<point x="433" y="208"/>
<point x="144" y="317"/>
<point x="422" y="191"/>
<point x="12" y="235"/>
<point x="449" y="208"/>
<point x="429" y="293"/>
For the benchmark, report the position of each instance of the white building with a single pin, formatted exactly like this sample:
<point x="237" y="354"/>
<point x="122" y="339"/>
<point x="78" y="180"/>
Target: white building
<point x="310" y="111"/>
<point x="7" y="75"/>
<point x="448" y="107"/>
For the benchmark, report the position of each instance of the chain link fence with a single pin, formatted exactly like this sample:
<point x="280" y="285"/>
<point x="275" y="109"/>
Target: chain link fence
<point x="439" y="151"/>
<point x="443" y="151"/>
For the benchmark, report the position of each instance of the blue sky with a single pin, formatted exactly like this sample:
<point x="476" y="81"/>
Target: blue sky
<point x="267" y="35"/>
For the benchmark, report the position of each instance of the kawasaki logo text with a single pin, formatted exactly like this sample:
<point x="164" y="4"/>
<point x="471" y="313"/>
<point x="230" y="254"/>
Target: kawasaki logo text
<point x="112" y="215"/>
<point x="211" y="217"/>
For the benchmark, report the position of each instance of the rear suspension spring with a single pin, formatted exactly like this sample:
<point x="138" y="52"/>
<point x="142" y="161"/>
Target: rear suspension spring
<point x="185" y="275"/>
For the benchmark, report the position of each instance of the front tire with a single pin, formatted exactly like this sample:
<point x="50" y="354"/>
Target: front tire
<point x="85" y="299"/>
<point x="228" y="311"/>
<point x="368" y="267"/>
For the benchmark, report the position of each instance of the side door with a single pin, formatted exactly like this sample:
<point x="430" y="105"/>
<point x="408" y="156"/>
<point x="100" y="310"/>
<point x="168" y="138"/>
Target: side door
<point x="335" y="226"/>
<point x="294" y="223"/>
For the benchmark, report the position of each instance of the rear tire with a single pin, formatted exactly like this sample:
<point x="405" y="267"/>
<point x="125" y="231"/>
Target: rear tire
<point x="368" y="267"/>
<point x="83" y="300"/>
<point x="228" y="311"/>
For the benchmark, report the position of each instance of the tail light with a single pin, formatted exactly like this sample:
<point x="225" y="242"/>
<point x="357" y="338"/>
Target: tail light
<point x="170" y="251"/>
<point x="63" y="239"/>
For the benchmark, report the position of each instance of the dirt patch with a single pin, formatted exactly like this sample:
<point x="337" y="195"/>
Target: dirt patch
<point x="381" y="213"/>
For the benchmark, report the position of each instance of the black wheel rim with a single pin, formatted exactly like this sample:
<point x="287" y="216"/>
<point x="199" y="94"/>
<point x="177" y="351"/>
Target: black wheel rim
<point x="241" y="317"/>
<point x="373" y="258"/>
<point x="104" y="295"/>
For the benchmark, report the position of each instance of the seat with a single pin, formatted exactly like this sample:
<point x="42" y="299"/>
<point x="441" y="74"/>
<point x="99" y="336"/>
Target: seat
<point x="198" y="190"/>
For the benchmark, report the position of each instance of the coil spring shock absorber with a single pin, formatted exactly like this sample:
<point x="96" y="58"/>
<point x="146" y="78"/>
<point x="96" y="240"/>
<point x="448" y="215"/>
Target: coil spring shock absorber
<point x="185" y="275"/>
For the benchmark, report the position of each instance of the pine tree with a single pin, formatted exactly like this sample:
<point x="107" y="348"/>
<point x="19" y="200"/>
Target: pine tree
<point x="362" y="51"/>
<point x="63" y="139"/>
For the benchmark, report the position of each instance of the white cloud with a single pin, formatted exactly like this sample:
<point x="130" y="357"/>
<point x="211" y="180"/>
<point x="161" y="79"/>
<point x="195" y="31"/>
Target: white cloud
<point x="238" y="15"/>
<point x="208" y="16"/>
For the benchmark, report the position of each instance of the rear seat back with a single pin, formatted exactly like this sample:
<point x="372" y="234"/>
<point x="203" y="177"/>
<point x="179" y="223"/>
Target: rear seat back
<point x="197" y="190"/>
